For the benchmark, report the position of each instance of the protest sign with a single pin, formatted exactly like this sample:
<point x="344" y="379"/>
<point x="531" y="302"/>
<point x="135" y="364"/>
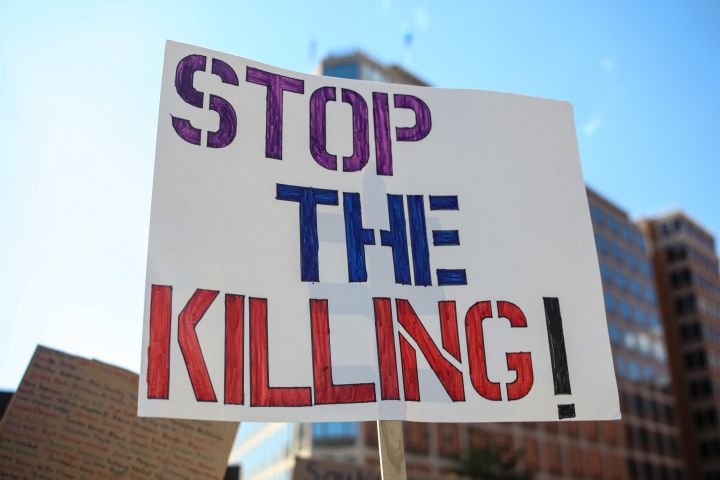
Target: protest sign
<point x="76" y="418"/>
<point x="326" y="249"/>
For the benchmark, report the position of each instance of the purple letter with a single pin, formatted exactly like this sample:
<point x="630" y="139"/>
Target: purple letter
<point x="184" y="73"/>
<point x="276" y="85"/>
<point x="318" y="99"/>
<point x="423" y="121"/>
<point x="383" y="148"/>
<point x="184" y="85"/>
<point x="318" y="129"/>
<point x="361" y="148"/>
<point x="225" y="133"/>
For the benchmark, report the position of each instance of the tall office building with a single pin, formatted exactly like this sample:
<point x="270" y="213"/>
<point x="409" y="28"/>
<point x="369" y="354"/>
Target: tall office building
<point x="644" y="445"/>
<point x="687" y="278"/>
<point x="651" y="446"/>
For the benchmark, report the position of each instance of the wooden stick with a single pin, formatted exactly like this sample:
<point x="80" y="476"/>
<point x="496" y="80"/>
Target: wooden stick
<point x="392" y="450"/>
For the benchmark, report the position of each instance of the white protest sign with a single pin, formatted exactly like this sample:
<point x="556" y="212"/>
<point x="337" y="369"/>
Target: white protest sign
<point x="324" y="249"/>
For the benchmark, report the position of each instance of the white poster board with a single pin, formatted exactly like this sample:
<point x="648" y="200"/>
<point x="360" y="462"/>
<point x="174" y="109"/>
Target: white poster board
<point x="324" y="249"/>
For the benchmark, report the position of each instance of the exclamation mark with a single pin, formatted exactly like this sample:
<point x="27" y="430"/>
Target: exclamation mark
<point x="556" y="340"/>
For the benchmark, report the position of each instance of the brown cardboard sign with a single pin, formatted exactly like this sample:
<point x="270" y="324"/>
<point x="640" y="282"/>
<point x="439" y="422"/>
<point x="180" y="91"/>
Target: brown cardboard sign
<point x="77" y="418"/>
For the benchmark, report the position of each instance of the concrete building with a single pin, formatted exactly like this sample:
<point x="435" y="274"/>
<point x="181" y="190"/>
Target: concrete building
<point x="644" y="445"/>
<point x="687" y="279"/>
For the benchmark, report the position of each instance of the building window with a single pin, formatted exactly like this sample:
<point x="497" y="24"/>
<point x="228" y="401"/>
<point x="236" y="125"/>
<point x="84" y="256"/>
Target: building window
<point x="335" y="432"/>
<point x="601" y="242"/>
<point x="676" y="253"/>
<point x="681" y="278"/>
<point x="343" y="70"/>
<point x="532" y="454"/>
<point x="659" y="351"/>
<point x="654" y="410"/>
<point x="706" y="418"/>
<point x="691" y="331"/>
<point x="639" y="405"/>
<point x="669" y="228"/>
<point x="685" y="304"/>
<point x="710" y="448"/>
<point x="626" y="310"/>
<point x="634" y="371"/>
<point x="641" y="318"/>
<point x="632" y="468"/>
<point x="449" y="435"/>
<point x="701" y="388"/>
<point x="645" y="268"/>
<point x="553" y="457"/>
<point x="606" y="272"/>
<point x="596" y="214"/>
<point x="610" y="302"/>
<point x="650" y="296"/>
<point x="660" y="443"/>
<point x="621" y="280"/>
<point x="616" y="334"/>
<point x="669" y="415"/>
<point x="695" y="360"/>
<point x="653" y="321"/>
<point x="416" y="437"/>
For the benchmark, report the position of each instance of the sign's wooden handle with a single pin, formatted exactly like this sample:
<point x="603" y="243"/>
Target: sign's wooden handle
<point x="392" y="450"/>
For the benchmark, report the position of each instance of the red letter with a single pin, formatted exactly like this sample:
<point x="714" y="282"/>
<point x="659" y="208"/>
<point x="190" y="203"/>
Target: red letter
<point x="449" y="328"/>
<point x="449" y="376"/>
<point x="190" y="347"/>
<point x="476" y="351"/>
<point x="261" y="393"/>
<point x="325" y="390"/>
<point x="158" y="368"/>
<point x="411" y="385"/>
<point x="520" y="362"/>
<point x="234" y="368"/>
<point x="387" y="359"/>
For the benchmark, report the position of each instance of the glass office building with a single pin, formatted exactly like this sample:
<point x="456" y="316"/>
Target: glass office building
<point x="650" y="435"/>
<point x="267" y="451"/>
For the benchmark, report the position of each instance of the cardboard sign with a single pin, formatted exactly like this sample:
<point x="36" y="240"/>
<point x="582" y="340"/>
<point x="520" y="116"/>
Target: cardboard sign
<point x="76" y="418"/>
<point x="320" y="469"/>
<point x="325" y="249"/>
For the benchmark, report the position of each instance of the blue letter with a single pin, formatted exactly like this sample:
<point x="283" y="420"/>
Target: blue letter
<point x="308" y="198"/>
<point x="419" y="241"/>
<point x="356" y="237"/>
<point x="396" y="238"/>
<point x="454" y="276"/>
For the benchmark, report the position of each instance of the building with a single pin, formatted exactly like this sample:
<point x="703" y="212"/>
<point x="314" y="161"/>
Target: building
<point x="650" y="446"/>
<point x="687" y="279"/>
<point x="5" y="398"/>
<point x="267" y="451"/>
<point x="644" y="445"/>
<point x="358" y="66"/>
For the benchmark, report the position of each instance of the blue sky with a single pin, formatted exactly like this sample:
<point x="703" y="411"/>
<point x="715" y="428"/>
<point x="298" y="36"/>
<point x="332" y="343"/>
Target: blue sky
<point x="80" y="88"/>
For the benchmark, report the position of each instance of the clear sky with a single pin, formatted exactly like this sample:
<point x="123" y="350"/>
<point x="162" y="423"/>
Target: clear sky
<point x="79" y="92"/>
